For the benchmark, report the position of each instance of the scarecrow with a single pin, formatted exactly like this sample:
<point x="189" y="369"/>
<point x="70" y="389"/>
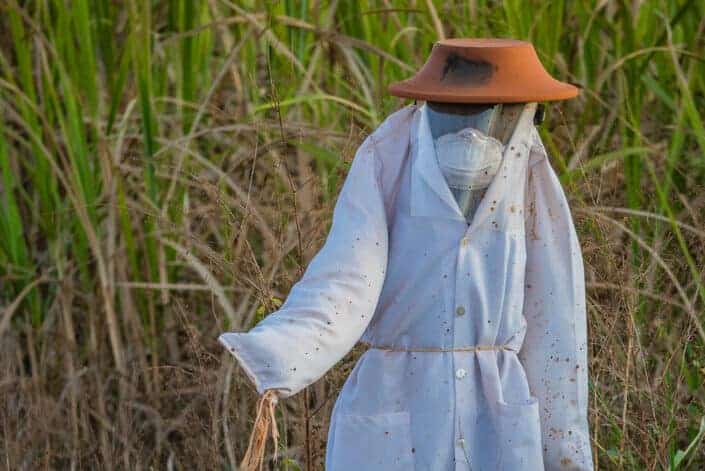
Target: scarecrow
<point x="453" y="256"/>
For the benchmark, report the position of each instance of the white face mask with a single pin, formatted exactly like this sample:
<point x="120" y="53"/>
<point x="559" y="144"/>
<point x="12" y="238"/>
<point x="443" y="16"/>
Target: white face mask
<point x="469" y="159"/>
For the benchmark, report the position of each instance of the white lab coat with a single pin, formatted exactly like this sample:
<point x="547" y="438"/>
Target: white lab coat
<point x="403" y="271"/>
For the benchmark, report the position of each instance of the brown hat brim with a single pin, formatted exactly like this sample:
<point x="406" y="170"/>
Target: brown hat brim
<point x="483" y="70"/>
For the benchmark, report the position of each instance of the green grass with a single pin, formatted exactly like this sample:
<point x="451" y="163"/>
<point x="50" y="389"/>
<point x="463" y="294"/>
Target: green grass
<point x="167" y="169"/>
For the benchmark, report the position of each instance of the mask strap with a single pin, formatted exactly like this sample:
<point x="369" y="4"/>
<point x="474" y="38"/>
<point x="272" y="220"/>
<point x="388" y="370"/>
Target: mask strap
<point x="494" y="119"/>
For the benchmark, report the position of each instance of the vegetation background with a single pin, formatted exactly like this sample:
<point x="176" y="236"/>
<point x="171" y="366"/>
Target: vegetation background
<point x="168" y="169"/>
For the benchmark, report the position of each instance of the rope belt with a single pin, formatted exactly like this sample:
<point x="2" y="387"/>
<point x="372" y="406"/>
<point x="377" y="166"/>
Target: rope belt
<point x="470" y="348"/>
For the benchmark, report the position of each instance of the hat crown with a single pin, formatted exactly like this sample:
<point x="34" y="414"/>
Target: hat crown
<point x="483" y="70"/>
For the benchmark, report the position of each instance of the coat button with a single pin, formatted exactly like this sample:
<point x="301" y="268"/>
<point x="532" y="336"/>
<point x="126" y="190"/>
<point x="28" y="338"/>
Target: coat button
<point x="460" y="310"/>
<point x="460" y="373"/>
<point x="461" y="442"/>
<point x="464" y="241"/>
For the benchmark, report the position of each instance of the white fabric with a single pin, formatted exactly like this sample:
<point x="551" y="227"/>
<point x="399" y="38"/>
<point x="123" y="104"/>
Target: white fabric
<point x="468" y="159"/>
<point x="401" y="267"/>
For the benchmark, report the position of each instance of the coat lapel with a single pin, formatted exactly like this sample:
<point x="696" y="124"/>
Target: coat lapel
<point x="430" y="194"/>
<point x="503" y="203"/>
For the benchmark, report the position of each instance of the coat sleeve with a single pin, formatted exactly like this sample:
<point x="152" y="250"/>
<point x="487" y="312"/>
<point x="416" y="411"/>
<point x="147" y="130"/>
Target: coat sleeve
<point x="328" y="309"/>
<point x="554" y="352"/>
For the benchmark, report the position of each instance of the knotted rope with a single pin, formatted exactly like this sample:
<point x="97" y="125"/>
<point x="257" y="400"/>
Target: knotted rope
<point x="254" y="456"/>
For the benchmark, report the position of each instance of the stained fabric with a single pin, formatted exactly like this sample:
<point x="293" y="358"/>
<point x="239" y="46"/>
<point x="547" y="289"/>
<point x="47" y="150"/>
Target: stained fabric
<point x="477" y="353"/>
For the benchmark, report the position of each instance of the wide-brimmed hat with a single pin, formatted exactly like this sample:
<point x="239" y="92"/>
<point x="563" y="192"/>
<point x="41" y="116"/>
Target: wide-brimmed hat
<point x="483" y="70"/>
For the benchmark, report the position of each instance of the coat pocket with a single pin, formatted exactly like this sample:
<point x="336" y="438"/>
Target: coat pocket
<point x="372" y="442"/>
<point x="519" y="430"/>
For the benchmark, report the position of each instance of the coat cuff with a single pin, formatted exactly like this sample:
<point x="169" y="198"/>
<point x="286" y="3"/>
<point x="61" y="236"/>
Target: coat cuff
<point x="236" y="343"/>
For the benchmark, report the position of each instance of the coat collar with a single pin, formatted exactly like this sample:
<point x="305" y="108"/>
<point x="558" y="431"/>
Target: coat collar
<point x="430" y="195"/>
